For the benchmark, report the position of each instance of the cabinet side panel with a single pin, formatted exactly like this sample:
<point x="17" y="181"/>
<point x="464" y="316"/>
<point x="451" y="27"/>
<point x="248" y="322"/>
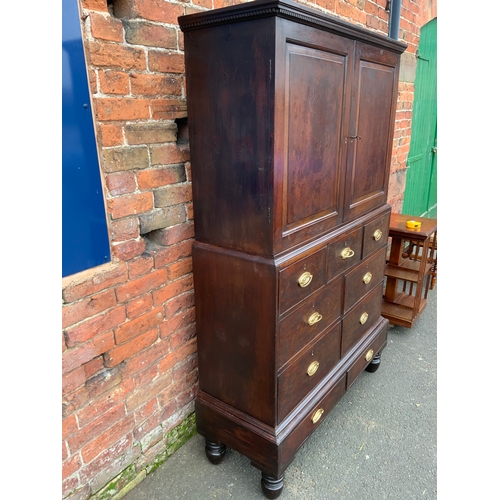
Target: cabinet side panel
<point x="235" y="304"/>
<point x="229" y="99"/>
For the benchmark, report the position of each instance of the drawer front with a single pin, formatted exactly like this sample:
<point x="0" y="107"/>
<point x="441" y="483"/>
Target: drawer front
<point x="299" y="280"/>
<point x="306" y="322"/>
<point x="311" y="420"/>
<point x="345" y="252"/>
<point x="364" y="278"/>
<point x="373" y="347"/>
<point x="376" y="234"/>
<point x="361" y="319"/>
<point x="309" y="369"/>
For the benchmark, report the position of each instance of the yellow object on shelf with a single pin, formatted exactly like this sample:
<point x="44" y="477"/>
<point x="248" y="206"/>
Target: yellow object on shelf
<point x="413" y="224"/>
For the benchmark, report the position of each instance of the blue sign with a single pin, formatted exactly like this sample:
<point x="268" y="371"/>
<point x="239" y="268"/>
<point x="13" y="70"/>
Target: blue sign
<point x="85" y="241"/>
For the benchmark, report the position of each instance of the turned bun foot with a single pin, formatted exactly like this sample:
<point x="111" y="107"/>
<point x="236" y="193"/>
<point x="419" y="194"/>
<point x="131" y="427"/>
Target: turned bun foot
<point x="375" y="363"/>
<point x="271" y="487"/>
<point x="215" y="451"/>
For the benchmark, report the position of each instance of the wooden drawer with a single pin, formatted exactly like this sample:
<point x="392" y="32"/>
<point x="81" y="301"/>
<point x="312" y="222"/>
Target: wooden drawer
<point x="376" y="234"/>
<point x="373" y="347"/>
<point x="344" y="252"/>
<point x="298" y="329"/>
<point x="353" y="328"/>
<point x="364" y="278"/>
<point x="321" y="409"/>
<point x="307" y="371"/>
<point x="301" y="279"/>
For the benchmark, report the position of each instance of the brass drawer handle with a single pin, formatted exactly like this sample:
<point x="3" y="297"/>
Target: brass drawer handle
<point x="305" y="279"/>
<point x="363" y="318"/>
<point x="369" y="355"/>
<point x="313" y="368"/>
<point x="377" y="235"/>
<point x="317" y="415"/>
<point x="367" y="278"/>
<point x="314" y="318"/>
<point x="347" y="253"/>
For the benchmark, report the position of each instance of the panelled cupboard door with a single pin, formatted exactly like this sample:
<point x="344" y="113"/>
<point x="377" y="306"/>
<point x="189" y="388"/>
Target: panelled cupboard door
<point x="371" y="128"/>
<point x="312" y="75"/>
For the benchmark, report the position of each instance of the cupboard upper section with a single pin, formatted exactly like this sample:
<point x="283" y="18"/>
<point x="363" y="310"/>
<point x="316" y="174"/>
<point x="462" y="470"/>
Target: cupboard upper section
<point x="291" y="119"/>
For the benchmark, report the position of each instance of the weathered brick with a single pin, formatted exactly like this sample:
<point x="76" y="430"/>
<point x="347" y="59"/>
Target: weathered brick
<point x="139" y="306"/>
<point x="112" y="55"/>
<point x="95" y="326"/>
<point x="183" y="327"/>
<point x="145" y="358"/>
<point x="176" y="388"/>
<point x="69" y="426"/>
<point x="180" y="268"/>
<point x="107" y="438"/>
<point x="118" y="160"/>
<point x="167" y="255"/>
<point x="150" y="433"/>
<point x="73" y="358"/>
<point x="146" y="411"/>
<point x="148" y="392"/>
<point x="172" y="289"/>
<point x="162" y="218"/>
<point x="78" y="311"/>
<point x="120" y="183"/>
<point x="106" y="27"/>
<point x="173" y="195"/>
<point x="69" y="485"/>
<point x="102" y="280"/>
<point x="121" y="108"/>
<point x="116" y="355"/>
<point x="125" y="229"/>
<point x="129" y="249"/>
<point x="154" y="10"/>
<point x="169" y="154"/>
<point x="100" y="5"/>
<point x="172" y="235"/>
<point x="139" y="325"/>
<point x="93" y="366"/>
<point x="111" y="134"/>
<point x="113" y="82"/>
<point x="178" y="356"/>
<point x="105" y="402"/>
<point x="185" y="367"/>
<point x="103" y="382"/>
<point x="73" y="380"/>
<point x="168" y="109"/>
<point x="151" y="35"/>
<point x="161" y="176"/>
<point x="158" y="85"/>
<point x="151" y="133"/>
<point x="179" y="303"/>
<point x="130" y="204"/>
<point x="70" y="466"/>
<point x="142" y="285"/>
<point x="140" y="265"/>
<point x="74" y="401"/>
<point x="166" y="62"/>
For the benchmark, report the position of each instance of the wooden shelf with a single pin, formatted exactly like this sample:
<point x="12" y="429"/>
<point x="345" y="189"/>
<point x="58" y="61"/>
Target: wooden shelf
<point x="401" y="310"/>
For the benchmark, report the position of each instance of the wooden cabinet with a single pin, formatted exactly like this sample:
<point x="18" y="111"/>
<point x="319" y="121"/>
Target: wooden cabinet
<point x="291" y="116"/>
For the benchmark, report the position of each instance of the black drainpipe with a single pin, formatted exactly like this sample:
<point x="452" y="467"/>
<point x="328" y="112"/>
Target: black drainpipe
<point x="394" y="7"/>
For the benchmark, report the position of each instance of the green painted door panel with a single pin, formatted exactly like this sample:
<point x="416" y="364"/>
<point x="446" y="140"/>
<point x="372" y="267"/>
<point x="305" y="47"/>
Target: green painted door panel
<point x="421" y="177"/>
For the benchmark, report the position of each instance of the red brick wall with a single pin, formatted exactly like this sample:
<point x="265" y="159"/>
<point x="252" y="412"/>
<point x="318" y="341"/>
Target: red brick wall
<point x="129" y="347"/>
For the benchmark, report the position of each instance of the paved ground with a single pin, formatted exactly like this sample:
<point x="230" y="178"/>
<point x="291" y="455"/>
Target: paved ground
<point x="379" y="442"/>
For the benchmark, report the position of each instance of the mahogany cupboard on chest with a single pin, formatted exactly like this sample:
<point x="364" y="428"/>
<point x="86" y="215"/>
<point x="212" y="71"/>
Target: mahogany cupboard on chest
<point x="291" y="117"/>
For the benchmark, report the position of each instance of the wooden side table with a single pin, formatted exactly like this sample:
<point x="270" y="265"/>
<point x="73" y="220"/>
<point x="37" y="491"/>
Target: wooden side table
<point x="409" y="271"/>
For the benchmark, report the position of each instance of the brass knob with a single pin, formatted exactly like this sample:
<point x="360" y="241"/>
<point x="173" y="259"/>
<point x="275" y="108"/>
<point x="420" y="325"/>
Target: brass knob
<point x="369" y="355"/>
<point x="317" y="415"/>
<point x="347" y="253"/>
<point x="367" y="278"/>
<point x="363" y="318"/>
<point x="313" y="368"/>
<point x="377" y="235"/>
<point x="305" y="279"/>
<point x="314" y="318"/>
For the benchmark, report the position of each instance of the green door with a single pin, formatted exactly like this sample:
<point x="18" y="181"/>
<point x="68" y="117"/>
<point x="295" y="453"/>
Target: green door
<point x="420" y="197"/>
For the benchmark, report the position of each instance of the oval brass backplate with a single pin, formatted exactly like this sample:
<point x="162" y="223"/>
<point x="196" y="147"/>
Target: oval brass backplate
<point x="347" y="253"/>
<point x="369" y="355"/>
<point x="313" y="368"/>
<point x="377" y="235"/>
<point x="305" y="279"/>
<point x="317" y="415"/>
<point x="367" y="278"/>
<point x="363" y="318"/>
<point x="315" y="317"/>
